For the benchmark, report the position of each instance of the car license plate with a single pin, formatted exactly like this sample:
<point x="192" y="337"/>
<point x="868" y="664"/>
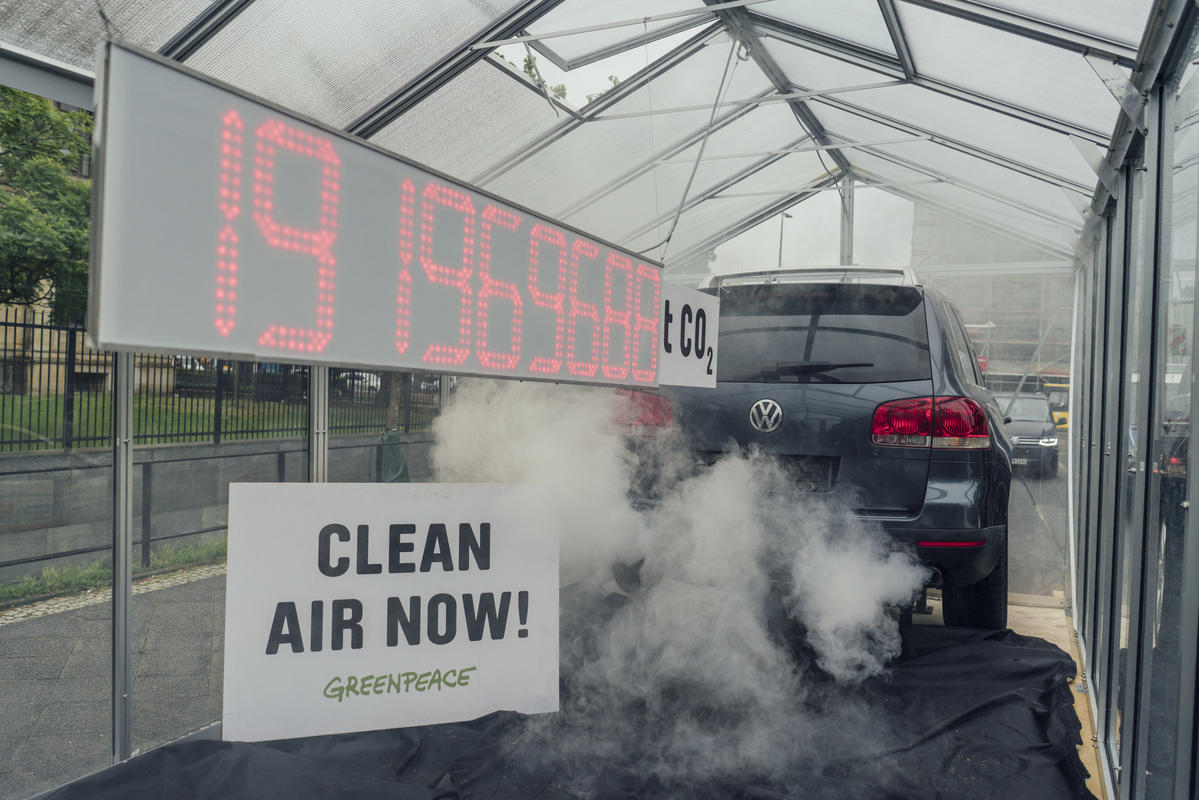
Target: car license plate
<point x="1021" y="460"/>
<point x="810" y="473"/>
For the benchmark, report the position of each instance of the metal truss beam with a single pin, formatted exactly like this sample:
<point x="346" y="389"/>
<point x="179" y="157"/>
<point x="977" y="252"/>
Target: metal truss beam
<point x="756" y="218"/>
<point x="34" y="73"/>
<point x="601" y="103"/>
<point x="741" y="25"/>
<point x="958" y="145"/>
<point x="900" y="42"/>
<point x="686" y="13"/>
<point x="449" y="67"/>
<point x="692" y="139"/>
<point x="201" y="29"/>
<point x="758" y="100"/>
<point x="1048" y="33"/>
<point x="869" y="59"/>
<point x="707" y="194"/>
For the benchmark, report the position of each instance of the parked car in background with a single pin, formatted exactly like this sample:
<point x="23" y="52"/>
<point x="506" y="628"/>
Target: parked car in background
<point x="865" y="386"/>
<point x="1033" y="432"/>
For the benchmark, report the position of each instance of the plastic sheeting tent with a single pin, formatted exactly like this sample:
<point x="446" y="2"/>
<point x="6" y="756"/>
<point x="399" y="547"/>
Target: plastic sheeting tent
<point x="1007" y="114"/>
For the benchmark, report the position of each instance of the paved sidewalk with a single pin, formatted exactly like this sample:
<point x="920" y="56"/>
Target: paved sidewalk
<point x="55" y="676"/>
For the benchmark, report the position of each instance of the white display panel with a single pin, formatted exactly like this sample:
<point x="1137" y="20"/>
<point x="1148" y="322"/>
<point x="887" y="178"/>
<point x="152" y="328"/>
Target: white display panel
<point x="226" y="225"/>
<point x="358" y="606"/>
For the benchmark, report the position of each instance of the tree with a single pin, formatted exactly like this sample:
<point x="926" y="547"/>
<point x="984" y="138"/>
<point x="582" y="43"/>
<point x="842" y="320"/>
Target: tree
<point x="44" y="204"/>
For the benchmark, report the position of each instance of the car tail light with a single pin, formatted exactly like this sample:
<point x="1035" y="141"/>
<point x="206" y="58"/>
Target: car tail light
<point x="642" y="409"/>
<point x="903" y="423"/>
<point x="942" y="422"/>
<point x="960" y="423"/>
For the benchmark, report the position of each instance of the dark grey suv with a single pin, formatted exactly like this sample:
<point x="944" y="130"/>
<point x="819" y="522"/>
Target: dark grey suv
<point x="870" y="394"/>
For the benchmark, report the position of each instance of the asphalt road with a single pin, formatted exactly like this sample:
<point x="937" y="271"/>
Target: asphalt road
<point x="1038" y="537"/>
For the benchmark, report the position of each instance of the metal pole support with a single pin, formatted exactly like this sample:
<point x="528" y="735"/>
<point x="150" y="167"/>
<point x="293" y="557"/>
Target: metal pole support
<point x="122" y="553"/>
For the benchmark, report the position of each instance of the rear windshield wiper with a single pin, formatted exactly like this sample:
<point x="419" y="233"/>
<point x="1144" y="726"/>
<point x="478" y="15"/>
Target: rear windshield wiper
<point x="810" y="369"/>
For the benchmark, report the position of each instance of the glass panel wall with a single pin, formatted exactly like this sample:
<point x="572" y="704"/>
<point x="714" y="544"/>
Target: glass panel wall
<point x="1163" y="637"/>
<point x="380" y="424"/>
<point x="200" y="424"/>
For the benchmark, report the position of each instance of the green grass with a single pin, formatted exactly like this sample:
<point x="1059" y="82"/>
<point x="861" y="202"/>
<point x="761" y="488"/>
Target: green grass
<point x="73" y="579"/>
<point x="35" y="422"/>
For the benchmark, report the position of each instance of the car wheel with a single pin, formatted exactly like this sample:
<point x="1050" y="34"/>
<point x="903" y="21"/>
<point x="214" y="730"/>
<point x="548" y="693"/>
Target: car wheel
<point x="980" y="605"/>
<point x="1051" y="468"/>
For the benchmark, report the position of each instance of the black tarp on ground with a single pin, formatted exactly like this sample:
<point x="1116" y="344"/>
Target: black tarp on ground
<point x="963" y="713"/>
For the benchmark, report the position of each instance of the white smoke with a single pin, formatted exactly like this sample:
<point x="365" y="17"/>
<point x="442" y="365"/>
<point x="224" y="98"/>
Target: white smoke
<point x="709" y="642"/>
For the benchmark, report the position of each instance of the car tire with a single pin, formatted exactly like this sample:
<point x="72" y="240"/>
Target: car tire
<point x="980" y="605"/>
<point x="1050" y="470"/>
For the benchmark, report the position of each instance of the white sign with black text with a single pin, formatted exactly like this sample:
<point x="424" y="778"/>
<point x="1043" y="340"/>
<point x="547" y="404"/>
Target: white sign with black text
<point x="690" y="324"/>
<point x="353" y="607"/>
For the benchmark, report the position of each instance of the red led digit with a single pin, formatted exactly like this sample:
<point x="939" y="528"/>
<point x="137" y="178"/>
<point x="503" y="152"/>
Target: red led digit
<point x="489" y="287"/>
<point x="555" y="302"/>
<point x="579" y="368"/>
<point x="621" y="319"/>
<point x="227" y="241"/>
<point x="437" y="195"/>
<point x="404" y="279"/>
<point x="643" y="324"/>
<point x="318" y="243"/>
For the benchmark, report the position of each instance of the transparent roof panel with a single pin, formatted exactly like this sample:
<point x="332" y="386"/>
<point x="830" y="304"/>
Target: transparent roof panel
<point x="651" y="201"/>
<point x="582" y="14"/>
<point x="709" y="219"/>
<point x="583" y="84"/>
<point x="944" y="198"/>
<point x="764" y="129"/>
<point x="335" y="61"/>
<point x="997" y="214"/>
<point x="68" y="30"/>
<point x="989" y="130"/>
<point x="1118" y="20"/>
<point x="856" y="21"/>
<point x="460" y="129"/>
<point x="1015" y="69"/>
<point x="572" y="167"/>
<point x="816" y="71"/>
<point x="986" y="176"/>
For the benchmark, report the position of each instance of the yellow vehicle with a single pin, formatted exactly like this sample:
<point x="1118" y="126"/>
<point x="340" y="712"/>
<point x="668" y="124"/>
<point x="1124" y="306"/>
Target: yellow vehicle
<point x="1059" y="403"/>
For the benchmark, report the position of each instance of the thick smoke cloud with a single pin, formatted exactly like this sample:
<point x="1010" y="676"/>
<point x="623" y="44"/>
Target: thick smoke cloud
<point x="733" y="598"/>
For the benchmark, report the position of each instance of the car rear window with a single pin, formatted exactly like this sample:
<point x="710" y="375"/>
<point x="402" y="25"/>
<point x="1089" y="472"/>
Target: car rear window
<point x="822" y="333"/>
<point x="1027" y="409"/>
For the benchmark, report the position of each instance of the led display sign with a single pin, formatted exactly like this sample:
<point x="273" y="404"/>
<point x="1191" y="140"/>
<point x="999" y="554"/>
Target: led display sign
<point x="226" y="225"/>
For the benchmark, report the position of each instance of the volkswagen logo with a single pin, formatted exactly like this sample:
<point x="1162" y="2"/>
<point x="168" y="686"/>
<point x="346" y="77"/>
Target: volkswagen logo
<point x="766" y="416"/>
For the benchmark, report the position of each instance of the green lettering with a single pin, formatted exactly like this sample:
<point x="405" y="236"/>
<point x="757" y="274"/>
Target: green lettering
<point x="364" y="684"/>
<point x="422" y="682"/>
<point x="393" y="683"/>
<point x="380" y="682"/>
<point x="435" y="680"/>
<point x="333" y="689"/>
<point x="409" y="677"/>
<point x="446" y="678"/>
<point x="463" y="678"/>
<point x="351" y="685"/>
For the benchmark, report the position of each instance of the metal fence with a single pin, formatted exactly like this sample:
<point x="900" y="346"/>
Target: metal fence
<point x="55" y="393"/>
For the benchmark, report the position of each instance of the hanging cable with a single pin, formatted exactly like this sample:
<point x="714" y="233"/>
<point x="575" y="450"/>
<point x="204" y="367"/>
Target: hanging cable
<point x="730" y="66"/>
